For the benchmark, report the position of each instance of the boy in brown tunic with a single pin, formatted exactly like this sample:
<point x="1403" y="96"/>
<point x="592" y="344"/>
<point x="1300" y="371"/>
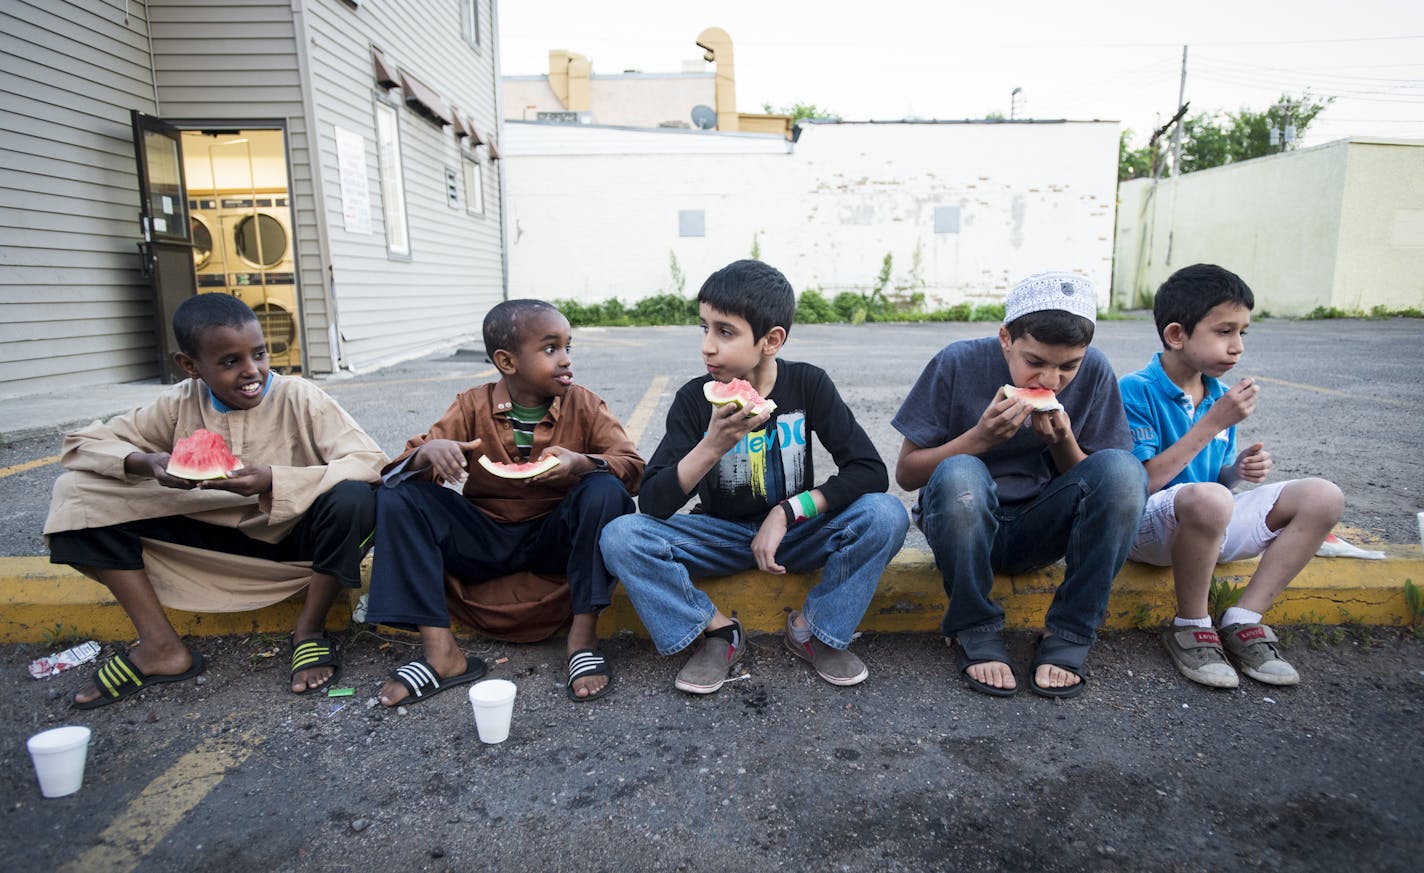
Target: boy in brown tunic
<point x="298" y="514"/>
<point x="493" y="526"/>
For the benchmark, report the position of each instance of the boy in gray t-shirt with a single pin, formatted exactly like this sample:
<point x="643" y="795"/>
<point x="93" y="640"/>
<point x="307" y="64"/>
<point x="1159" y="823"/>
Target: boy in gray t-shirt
<point x="1011" y="483"/>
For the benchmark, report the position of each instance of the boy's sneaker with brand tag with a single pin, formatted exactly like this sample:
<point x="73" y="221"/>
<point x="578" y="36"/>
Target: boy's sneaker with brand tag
<point x="1253" y="648"/>
<point x="836" y="666"/>
<point x="707" y="669"/>
<point x="1199" y="656"/>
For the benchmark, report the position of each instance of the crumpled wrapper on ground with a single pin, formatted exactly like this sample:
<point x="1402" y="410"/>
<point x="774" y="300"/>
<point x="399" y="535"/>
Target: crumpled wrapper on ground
<point x="53" y="665"/>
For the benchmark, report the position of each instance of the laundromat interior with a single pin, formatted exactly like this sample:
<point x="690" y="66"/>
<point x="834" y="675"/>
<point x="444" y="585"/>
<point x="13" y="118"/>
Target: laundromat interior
<point x="240" y="209"/>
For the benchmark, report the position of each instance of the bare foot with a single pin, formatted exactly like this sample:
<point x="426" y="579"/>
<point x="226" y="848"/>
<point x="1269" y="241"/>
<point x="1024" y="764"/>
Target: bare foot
<point x="446" y="664"/>
<point x="996" y="674"/>
<point x="312" y="678"/>
<point x="583" y="634"/>
<point x="1049" y="676"/>
<point x="152" y="660"/>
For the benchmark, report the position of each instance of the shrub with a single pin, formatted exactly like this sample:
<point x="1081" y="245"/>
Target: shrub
<point x="814" y="308"/>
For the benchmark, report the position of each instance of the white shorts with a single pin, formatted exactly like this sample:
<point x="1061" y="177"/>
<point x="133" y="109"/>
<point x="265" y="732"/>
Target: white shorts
<point x="1246" y="534"/>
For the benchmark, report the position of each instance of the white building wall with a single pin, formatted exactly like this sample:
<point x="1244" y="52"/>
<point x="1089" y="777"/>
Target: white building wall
<point x="595" y="214"/>
<point x="1337" y="225"/>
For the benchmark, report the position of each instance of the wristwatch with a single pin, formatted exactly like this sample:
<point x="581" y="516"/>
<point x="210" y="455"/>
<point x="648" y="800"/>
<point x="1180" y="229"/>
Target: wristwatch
<point x="599" y="465"/>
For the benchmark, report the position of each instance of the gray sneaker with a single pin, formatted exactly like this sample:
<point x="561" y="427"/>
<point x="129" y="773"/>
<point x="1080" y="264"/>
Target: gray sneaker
<point x="836" y="666"/>
<point x="1253" y="648"/>
<point x="1198" y="655"/>
<point x="707" y="669"/>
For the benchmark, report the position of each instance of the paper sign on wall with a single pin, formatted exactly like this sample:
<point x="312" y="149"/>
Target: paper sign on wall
<point x="351" y="167"/>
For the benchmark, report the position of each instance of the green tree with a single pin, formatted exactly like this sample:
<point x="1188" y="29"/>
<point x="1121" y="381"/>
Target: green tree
<point x="1214" y="139"/>
<point x="1132" y="163"/>
<point x="800" y="111"/>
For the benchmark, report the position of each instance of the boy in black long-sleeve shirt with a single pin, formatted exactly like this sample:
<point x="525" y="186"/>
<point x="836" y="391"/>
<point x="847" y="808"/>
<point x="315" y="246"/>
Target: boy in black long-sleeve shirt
<point x="759" y="504"/>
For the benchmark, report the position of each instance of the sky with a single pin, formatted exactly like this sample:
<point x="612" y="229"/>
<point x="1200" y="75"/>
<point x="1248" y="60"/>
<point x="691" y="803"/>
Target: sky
<point x="1121" y="61"/>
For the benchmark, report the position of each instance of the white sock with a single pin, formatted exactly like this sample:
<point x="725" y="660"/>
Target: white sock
<point x="1191" y="622"/>
<point x="1237" y="615"/>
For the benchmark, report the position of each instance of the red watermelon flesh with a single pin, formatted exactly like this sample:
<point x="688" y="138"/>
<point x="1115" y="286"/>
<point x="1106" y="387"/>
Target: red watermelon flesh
<point x="740" y="392"/>
<point x="1041" y="399"/>
<point x="204" y="455"/>
<point x="518" y="471"/>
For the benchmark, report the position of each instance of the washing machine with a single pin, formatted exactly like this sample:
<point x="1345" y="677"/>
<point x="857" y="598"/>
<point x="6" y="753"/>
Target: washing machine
<point x="242" y="245"/>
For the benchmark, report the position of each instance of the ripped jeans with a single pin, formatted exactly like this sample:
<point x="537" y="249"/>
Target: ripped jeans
<point x="1088" y="515"/>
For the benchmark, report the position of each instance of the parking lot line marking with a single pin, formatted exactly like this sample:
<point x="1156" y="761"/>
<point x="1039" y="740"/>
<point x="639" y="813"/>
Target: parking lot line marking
<point x="148" y="818"/>
<point x="28" y="465"/>
<point x="1320" y="390"/>
<point x="643" y="412"/>
<point x="468" y="377"/>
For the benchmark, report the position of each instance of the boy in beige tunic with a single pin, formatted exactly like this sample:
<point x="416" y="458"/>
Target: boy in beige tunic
<point x="298" y="513"/>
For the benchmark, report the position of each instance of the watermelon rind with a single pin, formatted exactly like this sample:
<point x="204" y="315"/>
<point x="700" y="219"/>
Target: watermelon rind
<point x="1038" y="404"/>
<point x="503" y="471"/>
<point x="743" y="393"/>
<point x="202" y="457"/>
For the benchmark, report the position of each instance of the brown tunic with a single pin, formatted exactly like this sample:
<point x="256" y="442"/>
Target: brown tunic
<point x="309" y="441"/>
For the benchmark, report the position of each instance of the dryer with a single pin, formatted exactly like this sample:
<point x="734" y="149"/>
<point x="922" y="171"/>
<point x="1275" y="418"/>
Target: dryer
<point x="242" y="244"/>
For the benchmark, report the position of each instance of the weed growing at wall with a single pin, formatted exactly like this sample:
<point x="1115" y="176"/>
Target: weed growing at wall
<point x="1323" y="312"/>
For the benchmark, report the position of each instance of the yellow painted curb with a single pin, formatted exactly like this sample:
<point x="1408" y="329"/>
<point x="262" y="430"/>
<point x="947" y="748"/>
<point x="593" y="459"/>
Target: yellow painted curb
<point x="39" y="599"/>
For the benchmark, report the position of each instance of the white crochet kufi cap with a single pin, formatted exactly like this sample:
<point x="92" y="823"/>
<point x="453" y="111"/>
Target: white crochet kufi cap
<point x="1066" y="291"/>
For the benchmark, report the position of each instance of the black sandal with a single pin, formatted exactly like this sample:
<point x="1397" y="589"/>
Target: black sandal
<point x="423" y="682"/>
<point x="585" y="663"/>
<point x="118" y="678"/>
<point x="983" y="647"/>
<point x="315" y="652"/>
<point x="1058" y="652"/>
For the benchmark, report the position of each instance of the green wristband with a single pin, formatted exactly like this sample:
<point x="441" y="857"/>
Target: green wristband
<point x="808" y="505"/>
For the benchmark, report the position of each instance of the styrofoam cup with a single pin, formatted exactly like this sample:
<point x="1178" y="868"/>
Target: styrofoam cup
<point x="493" y="702"/>
<point x="59" y="755"/>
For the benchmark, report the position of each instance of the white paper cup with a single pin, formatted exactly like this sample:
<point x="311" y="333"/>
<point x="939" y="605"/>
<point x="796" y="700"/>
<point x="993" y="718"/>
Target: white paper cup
<point x="493" y="702"/>
<point x="59" y="755"/>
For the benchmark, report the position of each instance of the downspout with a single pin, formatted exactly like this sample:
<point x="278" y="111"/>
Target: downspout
<point x="499" y="138"/>
<point x="152" y="64"/>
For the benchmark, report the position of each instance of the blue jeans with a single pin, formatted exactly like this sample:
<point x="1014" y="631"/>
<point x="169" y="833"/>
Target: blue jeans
<point x="1088" y="515"/>
<point x="657" y="559"/>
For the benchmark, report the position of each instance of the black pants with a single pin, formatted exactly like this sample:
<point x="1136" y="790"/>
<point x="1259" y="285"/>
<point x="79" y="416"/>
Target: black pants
<point x="334" y="534"/>
<point x="426" y="529"/>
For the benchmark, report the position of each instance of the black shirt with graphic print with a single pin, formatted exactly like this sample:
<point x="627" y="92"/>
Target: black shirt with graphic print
<point x="768" y="465"/>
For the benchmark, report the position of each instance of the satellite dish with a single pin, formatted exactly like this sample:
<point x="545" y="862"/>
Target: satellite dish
<point x="705" y="117"/>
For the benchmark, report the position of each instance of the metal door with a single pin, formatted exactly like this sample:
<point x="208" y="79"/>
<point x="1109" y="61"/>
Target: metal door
<point x="167" y="248"/>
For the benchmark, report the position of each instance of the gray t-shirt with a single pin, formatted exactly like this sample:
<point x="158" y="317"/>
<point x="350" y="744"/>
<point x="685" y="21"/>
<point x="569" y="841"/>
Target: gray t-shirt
<point x="960" y="381"/>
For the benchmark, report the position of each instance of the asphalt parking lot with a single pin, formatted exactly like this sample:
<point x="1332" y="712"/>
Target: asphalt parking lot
<point x="908" y="771"/>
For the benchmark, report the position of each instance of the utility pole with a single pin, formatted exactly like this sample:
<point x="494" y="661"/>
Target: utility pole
<point x="1181" y="107"/>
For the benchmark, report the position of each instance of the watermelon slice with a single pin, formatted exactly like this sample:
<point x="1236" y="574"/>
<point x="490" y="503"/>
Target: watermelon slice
<point x="740" y="392"/>
<point x="518" y="471"/>
<point x="204" y="455"/>
<point x="1041" y="399"/>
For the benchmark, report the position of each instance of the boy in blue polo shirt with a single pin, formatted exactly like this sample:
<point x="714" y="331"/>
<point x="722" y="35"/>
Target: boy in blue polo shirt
<point x="1183" y="424"/>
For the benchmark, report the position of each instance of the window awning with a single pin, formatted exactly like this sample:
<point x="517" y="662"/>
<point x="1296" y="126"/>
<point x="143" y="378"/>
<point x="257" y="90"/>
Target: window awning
<point x="387" y="76"/>
<point x="425" y="102"/>
<point x="465" y="126"/>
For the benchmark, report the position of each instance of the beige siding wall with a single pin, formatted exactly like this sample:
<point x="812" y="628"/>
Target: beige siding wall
<point x="73" y="309"/>
<point x="393" y="308"/>
<point x="229" y="61"/>
<point x="1277" y="221"/>
<point x="1381" y="260"/>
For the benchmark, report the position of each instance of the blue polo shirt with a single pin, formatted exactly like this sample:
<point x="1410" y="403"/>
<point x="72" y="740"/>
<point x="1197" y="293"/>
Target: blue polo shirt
<point x="1159" y="413"/>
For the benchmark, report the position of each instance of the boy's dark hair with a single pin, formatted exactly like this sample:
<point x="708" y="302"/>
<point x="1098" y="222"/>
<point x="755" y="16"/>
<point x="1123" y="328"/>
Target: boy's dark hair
<point x="753" y="290"/>
<point x="1054" y="327"/>
<point x="203" y="312"/>
<point x="504" y="323"/>
<point x="1191" y="292"/>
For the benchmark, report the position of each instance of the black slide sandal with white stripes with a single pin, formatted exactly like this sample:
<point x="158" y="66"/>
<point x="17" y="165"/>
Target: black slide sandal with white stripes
<point x="584" y="663"/>
<point x="423" y="682"/>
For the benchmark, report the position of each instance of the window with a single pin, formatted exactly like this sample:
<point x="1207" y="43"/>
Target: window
<point x="388" y="155"/>
<point x="946" y="219"/>
<point x="470" y="22"/>
<point x="691" y="222"/>
<point x="474" y="187"/>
